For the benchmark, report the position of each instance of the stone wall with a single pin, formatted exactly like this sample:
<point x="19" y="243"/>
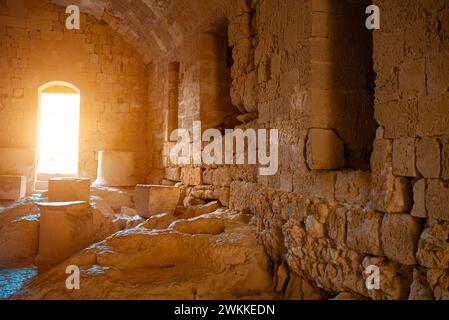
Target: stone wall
<point x="36" y="48"/>
<point x="310" y="65"/>
<point x="345" y="196"/>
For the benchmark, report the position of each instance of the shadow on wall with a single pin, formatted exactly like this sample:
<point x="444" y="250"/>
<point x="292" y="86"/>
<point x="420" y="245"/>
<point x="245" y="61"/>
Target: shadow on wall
<point x="342" y="95"/>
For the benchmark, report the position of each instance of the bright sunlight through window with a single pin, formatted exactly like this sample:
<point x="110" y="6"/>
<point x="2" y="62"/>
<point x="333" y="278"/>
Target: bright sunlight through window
<point x="59" y="133"/>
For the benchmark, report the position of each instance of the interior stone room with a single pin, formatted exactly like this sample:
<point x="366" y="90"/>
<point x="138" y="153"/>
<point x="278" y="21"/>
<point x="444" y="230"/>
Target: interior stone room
<point x="93" y="206"/>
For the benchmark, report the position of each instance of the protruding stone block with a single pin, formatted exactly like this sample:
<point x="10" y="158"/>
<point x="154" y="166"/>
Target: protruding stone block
<point x="325" y="150"/>
<point x="151" y="200"/>
<point x="12" y="187"/>
<point x="68" y="189"/>
<point x="115" y="169"/>
<point x="65" y="228"/>
<point x="363" y="231"/>
<point x="428" y="157"/>
<point x="400" y="235"/>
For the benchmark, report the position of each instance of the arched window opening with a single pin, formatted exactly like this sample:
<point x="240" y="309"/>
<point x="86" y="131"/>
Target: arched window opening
<point x="59" y="118"/>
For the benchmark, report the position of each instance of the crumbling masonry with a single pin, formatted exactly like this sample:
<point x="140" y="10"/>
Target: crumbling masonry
<point x="363" y="119"/>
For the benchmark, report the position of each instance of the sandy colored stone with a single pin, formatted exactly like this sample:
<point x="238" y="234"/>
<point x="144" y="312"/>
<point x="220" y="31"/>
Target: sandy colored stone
<point x="389" y="193"/>
<point x="428" y="156"/>
<point x="325" y="150"/>
<point x="160" y="221"/>
<point x="420" y="289"/>
<point x="19" y="241"/>
<point x="433" y="248"/>
<point x="437" y="200"/>
<point x="68" y="189"/>
<point x="65" y="228"/>
<point x="337" y="226"/>
<point x="199" y="225"/>
<point x="301" y="289"/>
<point x="141" y="264"/>
<point x="16" y="211"/>
<point x="116" y="198"/>
<point x="363" y="231"/>
<point x="445" y="157"/>
<point x="400" y="235"/>
<point x="191" y="176"/>
<point x="314" y="227"/>
<point x="115" y="169"/>
<point x="404" y="163"/>
<point x="353" y="187"/>
<point x="173" y="174"/>
<point x="419" y="199"/>
<point x="152" y="200"/>
<point x="12" y="187"/>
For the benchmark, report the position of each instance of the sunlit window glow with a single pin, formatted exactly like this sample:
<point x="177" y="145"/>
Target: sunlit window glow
<point x="59" y="133"/>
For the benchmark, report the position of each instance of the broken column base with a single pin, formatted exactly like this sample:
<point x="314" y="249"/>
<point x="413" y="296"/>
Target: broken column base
<point x="65" y="228"/>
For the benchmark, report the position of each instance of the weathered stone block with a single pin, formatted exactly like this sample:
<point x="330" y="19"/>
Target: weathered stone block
<point x="241" y="195"/>
<point x="324" y="185"/>
<point x="437" y="200"/>
<point x="433" y="247"/>
<point x="12" y="187"/>
<point x="19" y="241"/>
<point x="191" y="176"/>
<point x="363" y="231"/>
<point x="400" y="235"/>
<point x="353" y="187"/>
<point x="116" y="198"/>
<point x="325" y="150"/>
<point x="389" y="193"/>
<point x="404" y="157"/>
<point x="337" y="226"/>
<point x="151" y="200"/>
<point x="65" y="228"/>
<point x="173" y="174"/>
<point x="428" y="156"/>
<point x="419" y="199"/>
<point x="221" y="176"/>
<point x="222" y="194"/>
<point x="68" y="189"/>
<point x="420" y="289"/>
<point x="314" y="228"/>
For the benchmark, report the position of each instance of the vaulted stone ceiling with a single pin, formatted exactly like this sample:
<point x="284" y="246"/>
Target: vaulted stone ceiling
<point x="156" y="27"/>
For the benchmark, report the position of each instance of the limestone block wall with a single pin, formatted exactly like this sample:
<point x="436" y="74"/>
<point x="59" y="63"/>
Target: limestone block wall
<point x="36" y="48"/>
<point x="302" y="65"/>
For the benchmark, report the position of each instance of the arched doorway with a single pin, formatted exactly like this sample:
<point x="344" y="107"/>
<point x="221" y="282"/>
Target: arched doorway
<point x="58" y="130"/>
